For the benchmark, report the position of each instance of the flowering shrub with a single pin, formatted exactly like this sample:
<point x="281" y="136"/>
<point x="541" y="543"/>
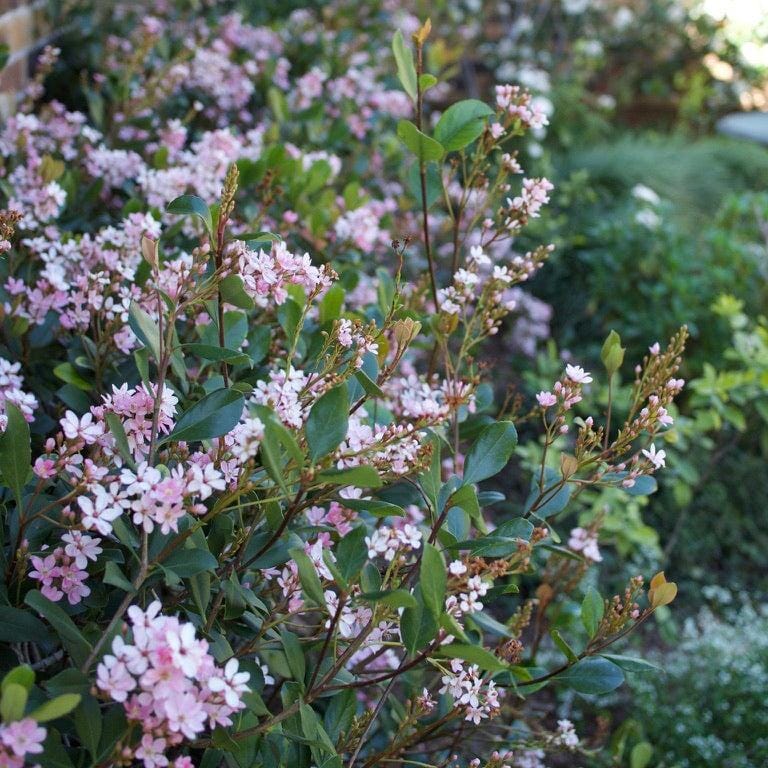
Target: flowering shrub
<point x="247" y="509"/>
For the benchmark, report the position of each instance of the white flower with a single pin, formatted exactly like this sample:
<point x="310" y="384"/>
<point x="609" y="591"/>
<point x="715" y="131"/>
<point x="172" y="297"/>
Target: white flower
<point x="577" y="374"/>
<point x="657" y="458"/>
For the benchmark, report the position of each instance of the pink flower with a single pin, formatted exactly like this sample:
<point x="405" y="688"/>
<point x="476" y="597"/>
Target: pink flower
<point x="23" y="737"/>
<point x="546" y="399"/>
<point x="232" y="684"/>
<point x="151" y="752"/>
<point x="83" y="429"/>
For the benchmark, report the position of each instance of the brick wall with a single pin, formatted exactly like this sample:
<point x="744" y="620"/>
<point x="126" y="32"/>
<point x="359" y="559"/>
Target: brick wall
<point x="23" y="28"/>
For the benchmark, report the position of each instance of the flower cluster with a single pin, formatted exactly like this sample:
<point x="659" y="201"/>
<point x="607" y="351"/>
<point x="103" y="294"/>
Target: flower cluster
<point x="478" y="698"/>
<point x="168" y="683"/>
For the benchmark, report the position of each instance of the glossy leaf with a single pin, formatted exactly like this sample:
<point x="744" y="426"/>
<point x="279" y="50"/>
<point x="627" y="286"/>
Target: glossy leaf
<point x="327" y="423"/>
<point x="424" y="147"/>
<point x="406" y="71"/>
<point x="461" y="124"/>
<point x="593" y="675"/>
<point x="491" y="451"/>
<point x="15" y="451"/>
<point x="212" y="416"/>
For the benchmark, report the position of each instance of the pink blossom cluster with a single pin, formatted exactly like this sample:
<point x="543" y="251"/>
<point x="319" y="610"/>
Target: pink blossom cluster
<point x="519" y="104"/>
<point x="528" y="204"/>
<point x="11" y="383"/>
<point x="168" y="683"/>
<point x="267" y="275"/>
<point x="584" y="542"/>
<point x="63" y="571"/>
<point x="479" y="698"/>
<point x="389" y="542"/>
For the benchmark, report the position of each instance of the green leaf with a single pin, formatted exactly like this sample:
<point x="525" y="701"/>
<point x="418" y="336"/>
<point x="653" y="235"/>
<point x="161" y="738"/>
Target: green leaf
<point x="310" y="581"/>
<point x="631" y="664"/>
<point x="54" y="754"/>
<point x="461" y="124"/>
<point x="641" y="754"/>
<point x="69" y="374"/>
<point x="560" y="642"/>
<point x="592" y="676"/>
<point x="15" y="452"/>
<point x="22" y="675"/>
<point x="331" y="303"/>
<point x="117" y="430"/>
<point x="433" y="579"/>
<point x="427" y="81"/>
<point x="474" y="654"/>
<point x="114" y="576"/>
<point x="17" y="626"/>
<point x="76" y="645"/>
<point x="56" y="708"/>
<point x="88" y="724"/>
<point x="188" y="561"/>
<point x="327" y="422"/>
<point x="359" y="477"/>
<point x="375" y="507"/>
<point x="233" y="292"/>
<point x="406" y="71"/>
<point x="218" y="354"/>
<point x="145" y="328"/>
<point x="592" y="609"/>
<point x="193" y="205"/>
<point x="424" y="147"/>
<point x="371" y="388"/>
<point x="351" y="553"/>
<point x="294" y="655"/>
<point x="394" y="598"/>
<point x="491" y="451"/>
<point x="212" y="416"/>
<point x="13" y="702"/>
<point x="417" y="624"/>
<point x="465" y="497"/>
<point x="553" y="499"/>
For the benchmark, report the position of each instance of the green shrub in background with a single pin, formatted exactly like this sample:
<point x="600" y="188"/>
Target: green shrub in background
<point x="709" y="708"/>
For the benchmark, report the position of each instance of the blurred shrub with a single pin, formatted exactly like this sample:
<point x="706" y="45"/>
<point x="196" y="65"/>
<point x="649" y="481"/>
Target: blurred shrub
<point x="709" y="707"/>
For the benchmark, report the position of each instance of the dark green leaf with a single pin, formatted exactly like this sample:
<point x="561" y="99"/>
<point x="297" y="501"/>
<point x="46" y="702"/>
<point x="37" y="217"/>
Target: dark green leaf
<point x="212" y="416"/>
<point x="417" y="625"/>
<point x="145" y="328"/>
<point x="186" y="562"/>
<point x="76" y="645"/>
<point x="593" y="675"/>
<point x="474" y="654"/>
<point x="310" y="581"/>
<point x="394" y="598"/>
<point x="15" y="452"/>
<point x="351" y="553"/>
<point x="192" y="205"/>
<point x="327" y="422"/>
<point x="433" y="579"/>
<point x="17" y="626"/>
<point x="491" y="451"/>
<point x="592" y="608"/>
<point x="361" y="477"/>
<point x="233" y="292"/>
